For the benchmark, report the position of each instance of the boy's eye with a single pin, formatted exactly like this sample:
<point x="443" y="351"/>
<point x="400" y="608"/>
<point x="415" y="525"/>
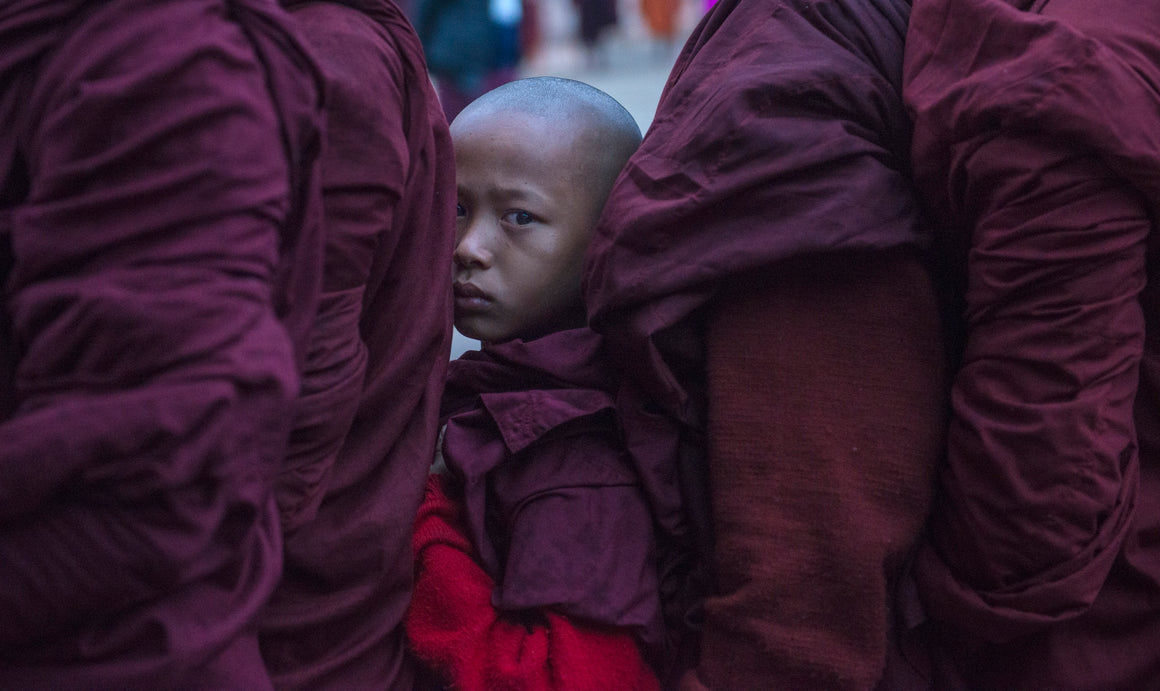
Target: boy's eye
<point x="460" y="211"/>
<point x="520" y="218"/>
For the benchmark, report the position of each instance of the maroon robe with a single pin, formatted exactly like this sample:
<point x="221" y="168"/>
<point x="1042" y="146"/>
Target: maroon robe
<point x="159" y="248"/>
<point x="365" y="426"/>
<point x="777" y="169"/>
<point x="551" y="499"/>
<point x="1037" y="140"/>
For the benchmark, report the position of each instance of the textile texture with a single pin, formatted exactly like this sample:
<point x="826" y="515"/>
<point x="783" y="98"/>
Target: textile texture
<point x="453" y="626"/>
<point x="365" y="424"/>
<point x="552" y="501"/>
<point x="160" y="252"/>
<point x="1036" y="143"/>
<point x="781" y="135"/>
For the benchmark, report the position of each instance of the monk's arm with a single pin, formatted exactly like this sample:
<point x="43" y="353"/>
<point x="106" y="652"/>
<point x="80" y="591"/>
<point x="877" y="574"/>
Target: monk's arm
<point x="1042" y="459"/>
<point x="155" y="378"/>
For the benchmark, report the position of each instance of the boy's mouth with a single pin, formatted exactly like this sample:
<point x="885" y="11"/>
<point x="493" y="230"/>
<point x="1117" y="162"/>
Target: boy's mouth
<point x="470" y="296"/>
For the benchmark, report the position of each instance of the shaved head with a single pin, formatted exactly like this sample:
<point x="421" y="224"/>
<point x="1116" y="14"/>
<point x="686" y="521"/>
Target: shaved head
<point x="558" y="98"/>
<point x="609" y="132"/>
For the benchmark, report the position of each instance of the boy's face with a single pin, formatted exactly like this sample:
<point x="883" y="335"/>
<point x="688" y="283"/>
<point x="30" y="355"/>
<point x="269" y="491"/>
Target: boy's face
<point x="524" y="222"/>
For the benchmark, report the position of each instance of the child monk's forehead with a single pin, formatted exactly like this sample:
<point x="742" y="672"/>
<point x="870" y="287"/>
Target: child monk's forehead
<point x="543" y="95"/>
<point x="555" y="99"/>
<point x="519" y="112"/>
<point x="513" y="124"/>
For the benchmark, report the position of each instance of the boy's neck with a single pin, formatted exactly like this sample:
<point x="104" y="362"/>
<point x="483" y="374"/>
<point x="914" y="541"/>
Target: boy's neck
<point x="574" y="318"/>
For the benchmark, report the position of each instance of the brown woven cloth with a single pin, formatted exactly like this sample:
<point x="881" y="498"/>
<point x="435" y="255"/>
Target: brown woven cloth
<point x="825" y="425"/>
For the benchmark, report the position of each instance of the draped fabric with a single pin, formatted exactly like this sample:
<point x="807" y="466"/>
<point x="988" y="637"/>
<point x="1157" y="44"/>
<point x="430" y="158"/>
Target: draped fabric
<point x="781" y="137"/>
<point x="551" y="501"/>
<point x="1037" y="145"/>
<point x="160" y="251"/>
<point x="780" y="132"/>
<point x="454" y="628"/>
<point x="365" y="425"/>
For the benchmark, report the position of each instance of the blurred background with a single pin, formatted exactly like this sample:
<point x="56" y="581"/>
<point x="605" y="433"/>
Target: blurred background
<point x="623" y="47"/>
<point x="629" y="59"/>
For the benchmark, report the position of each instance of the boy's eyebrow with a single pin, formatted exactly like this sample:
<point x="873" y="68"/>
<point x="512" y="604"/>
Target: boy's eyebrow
<point x="512" y="192"/>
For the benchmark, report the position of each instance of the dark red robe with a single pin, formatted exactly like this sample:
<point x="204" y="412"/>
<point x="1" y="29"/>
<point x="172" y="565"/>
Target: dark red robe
<point x="159" y="248"/>
<point x="552" y="501"/>
<point x="1037" y="144"/>
<point x="366" y="423"/>
<point x="757" y="272"/>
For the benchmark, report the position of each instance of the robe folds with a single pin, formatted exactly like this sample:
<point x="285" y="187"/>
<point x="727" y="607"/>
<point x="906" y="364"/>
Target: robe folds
<point x="160" y="254"/>
<point x="366" y="423"/>
<point x="777" y="165"/>
<point x="1037" y="146"/>
<point x="471" y="645"/>
<point x="551" y="501"/>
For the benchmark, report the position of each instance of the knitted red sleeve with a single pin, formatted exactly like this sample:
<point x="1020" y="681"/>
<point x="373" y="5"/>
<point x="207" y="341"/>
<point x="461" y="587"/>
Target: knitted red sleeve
<point x="453" y="627"/>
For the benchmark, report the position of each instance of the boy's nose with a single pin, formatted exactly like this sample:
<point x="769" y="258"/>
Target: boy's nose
<point x="471" y="250"/>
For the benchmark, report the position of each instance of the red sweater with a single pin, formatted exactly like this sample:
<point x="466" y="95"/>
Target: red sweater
<point x="453" y="627"/>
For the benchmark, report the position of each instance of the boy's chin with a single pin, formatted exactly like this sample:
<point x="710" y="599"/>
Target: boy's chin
<point x="495" y="336"/>
<point x="465" y="324"/>
<point x="472" y="331"/>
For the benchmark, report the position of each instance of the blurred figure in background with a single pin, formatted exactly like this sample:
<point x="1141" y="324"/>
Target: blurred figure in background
<point x="662" y="18"/>
<point x="472" y="46"/>
<point x="507" y="18"/>
<point x="531" y="36"/>
<point x="596" y="18"/>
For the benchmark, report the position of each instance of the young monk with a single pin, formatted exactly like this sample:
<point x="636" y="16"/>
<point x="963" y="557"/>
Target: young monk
<point x="160" y="253"/>
<point x="1041" y="568"/>
<point x="534" y="554"/>
<point x="759" y="275"/>
<point x="366" y="421"/>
